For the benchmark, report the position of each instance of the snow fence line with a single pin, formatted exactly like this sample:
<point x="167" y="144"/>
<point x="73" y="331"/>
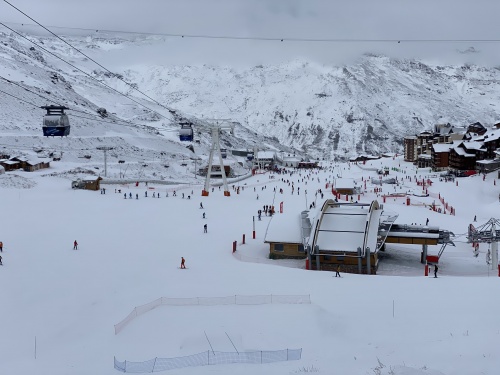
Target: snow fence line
<point x="212" y="301"/>
<point x="208" y="358"/>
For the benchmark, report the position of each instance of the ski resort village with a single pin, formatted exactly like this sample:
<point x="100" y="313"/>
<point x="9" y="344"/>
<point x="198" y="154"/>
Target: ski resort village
<point x="280" y="219"/>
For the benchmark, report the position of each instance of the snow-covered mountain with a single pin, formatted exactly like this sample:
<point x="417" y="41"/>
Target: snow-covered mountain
<point x="324" y="111"/>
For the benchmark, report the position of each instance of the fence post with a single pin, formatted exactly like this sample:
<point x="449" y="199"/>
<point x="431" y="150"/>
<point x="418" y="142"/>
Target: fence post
<point x="154" y="364"/>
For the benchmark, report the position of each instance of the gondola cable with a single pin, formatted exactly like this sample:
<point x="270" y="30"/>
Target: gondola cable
<point x="88" y="57"/>
<point x="80" y="70"/>
<point x="113" y="121"/>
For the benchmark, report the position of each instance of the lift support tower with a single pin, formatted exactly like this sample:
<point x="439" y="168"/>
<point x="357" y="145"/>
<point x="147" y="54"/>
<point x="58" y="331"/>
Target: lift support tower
<point x="216" y="131"/>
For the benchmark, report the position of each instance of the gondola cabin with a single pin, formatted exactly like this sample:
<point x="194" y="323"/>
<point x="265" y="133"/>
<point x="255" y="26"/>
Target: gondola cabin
<point x="55" y="121"/>
<point x="223" y="153"/>
<point x="186" y="132"/>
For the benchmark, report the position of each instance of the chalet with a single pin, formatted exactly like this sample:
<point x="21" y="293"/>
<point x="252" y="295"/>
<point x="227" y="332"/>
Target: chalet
<point x="345" y="186"/>
<point x="439" y="156"/>
<point x="25" y="164"/>
<point x="491" y="141"/>
<point x="284" y="237"/>
<point x="89" y="184"/>
<point x="35" y="165"/>
<point x="461" y="159"/>
<point x="424" y="160"/>
<point x="488" y="165"/>
<point x="10" y="165"/>
<point x="476" y="128"/>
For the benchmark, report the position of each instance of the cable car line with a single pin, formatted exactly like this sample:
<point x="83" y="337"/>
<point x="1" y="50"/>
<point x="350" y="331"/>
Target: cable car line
<point x="88" y="57"/>
<point x="80" y="70"/>
<point x="91" y="119"/>
<point x="101" y="119"/>
<point x="276" y="39"/>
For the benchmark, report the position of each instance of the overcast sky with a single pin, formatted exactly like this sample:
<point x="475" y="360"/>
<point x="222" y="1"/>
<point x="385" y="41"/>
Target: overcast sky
<point x="324" y="19"/>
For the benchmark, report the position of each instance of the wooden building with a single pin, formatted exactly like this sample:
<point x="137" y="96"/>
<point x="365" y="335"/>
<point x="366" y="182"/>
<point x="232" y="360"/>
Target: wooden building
<point x="35" y="165"/>
<point x="284" y="237"/>
<point x="10" y="165"/>
<point x="89" y="184"/>
<point x="440" y="156"/>
<point x="345" y="186"/>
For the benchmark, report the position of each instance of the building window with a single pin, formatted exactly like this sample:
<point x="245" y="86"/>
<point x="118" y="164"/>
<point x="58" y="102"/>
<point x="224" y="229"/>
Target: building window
<point x="278" y="247"/>
<point x="301" y="248"/>
<point x="327" y="257"/>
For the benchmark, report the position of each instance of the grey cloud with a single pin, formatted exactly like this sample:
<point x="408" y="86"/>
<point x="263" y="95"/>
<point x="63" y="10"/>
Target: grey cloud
<point x="325" y="19"/>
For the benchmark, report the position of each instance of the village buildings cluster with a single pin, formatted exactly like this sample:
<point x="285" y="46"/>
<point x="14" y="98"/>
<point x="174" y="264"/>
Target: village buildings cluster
<point x="462" y="150"/>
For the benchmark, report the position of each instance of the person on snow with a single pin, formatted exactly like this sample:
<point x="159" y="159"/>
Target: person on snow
<point x="203" y="215"/>
<point x="1" y="264"/>
<point x="427" y="222"/>
<point x="145" y="194"/>
<point x="154" y="194"/>
<point x="435" y="271"/>
<point x="75" y="245"/>
<point x="1" y="246"/>
<point x="337" y="274"/>
<point x="201" y="205"/>
<point x="137" y="196"/>
<point x="205" y="228"/>
<point x="182" y="262"/>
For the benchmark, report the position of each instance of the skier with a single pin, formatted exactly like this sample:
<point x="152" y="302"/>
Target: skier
<point x="435" y="270"/>
<point x="130" y="195"/>
<point x="75" y="245"/>
<point x="1" y="264"/>
<point x="203" y="215"/>
<point x="205" y="228"/>
<point x="474" y="218"/>
<point x="1" y="246"/>
<point x="201" y="205"/>
<point x="427" y="222"/>
<point x="137" y="196"/>
<point x="145" y="194"/>
<point x="182" y="262"/>
<point x="154" y="194"/>
<point x="337" y="274"/>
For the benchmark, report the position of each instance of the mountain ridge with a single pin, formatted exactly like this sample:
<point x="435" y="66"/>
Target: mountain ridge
<point x="318" y="109"/>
